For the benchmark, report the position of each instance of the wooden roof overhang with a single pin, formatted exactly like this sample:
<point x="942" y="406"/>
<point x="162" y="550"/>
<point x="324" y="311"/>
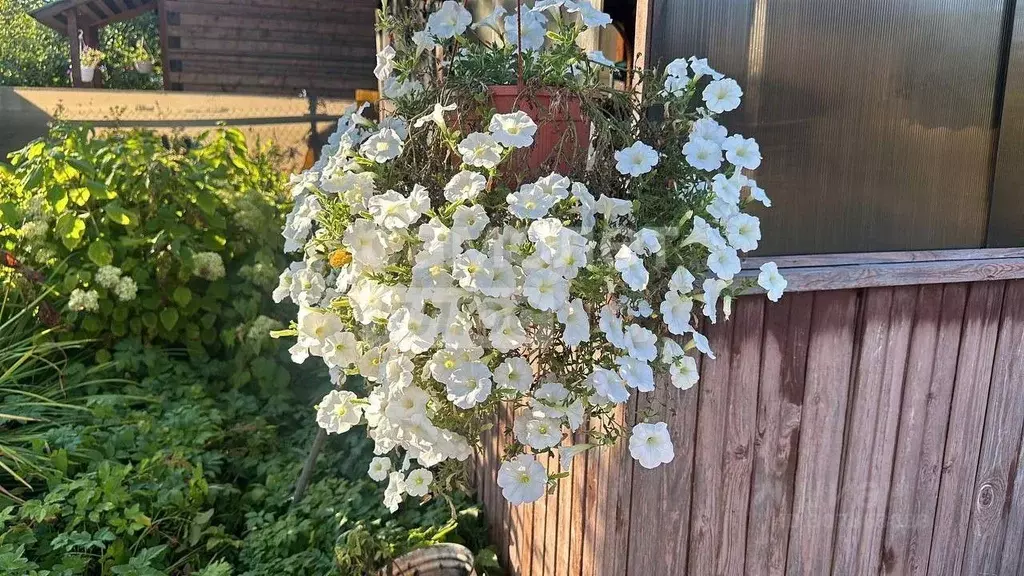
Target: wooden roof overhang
<point x="90" y="13"/>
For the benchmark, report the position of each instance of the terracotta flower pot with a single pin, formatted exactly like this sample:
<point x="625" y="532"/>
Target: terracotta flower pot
<point x="144" y="67"/>
<point x="563" y="132"/>
<point x="437" y="560"/>
<point x="87" y="73"/>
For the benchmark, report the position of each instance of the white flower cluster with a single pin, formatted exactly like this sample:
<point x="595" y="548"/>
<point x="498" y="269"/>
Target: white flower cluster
<point x="451" y="294"/>
<point x="123" y="287"/>
<point x="84" y="300"/>
<point x="208" y="265"/>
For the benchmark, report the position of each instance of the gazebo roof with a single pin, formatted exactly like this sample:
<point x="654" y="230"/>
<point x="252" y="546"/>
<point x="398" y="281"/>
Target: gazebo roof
<point x="91" y="12"/>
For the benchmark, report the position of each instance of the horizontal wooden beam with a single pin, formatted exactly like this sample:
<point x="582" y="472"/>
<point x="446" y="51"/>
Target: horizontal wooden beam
<point x="867" y="270"/>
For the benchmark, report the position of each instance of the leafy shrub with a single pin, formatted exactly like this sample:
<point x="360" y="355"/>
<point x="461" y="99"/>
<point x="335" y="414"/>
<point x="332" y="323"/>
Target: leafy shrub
<point x="34" y="55"/>
<point x="165" y="239"/>
<point x="185" y="472"/>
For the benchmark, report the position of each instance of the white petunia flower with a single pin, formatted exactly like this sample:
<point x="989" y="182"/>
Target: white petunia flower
<point x="383" y="146"/>
<point x="534" y="27"/>
<point x="508" y="334"/>
<point x="640" y="342"/>
<point x="651" y="445"/>
<point x="742" y="152"/>
<point x="608" y="385"/>
<point x="393" y="493"/>
<point x="470" y="384"/>
<point x="613" y="208"/>
<point x="678" y="67"/>
<point x="722" y="95"/>
<point x="470" y="270"/>
<point x="436" y="116"/>
<point x="703" y="154"/>
<point x="676" y="310"/>
<point x="449" y="21"/>
<point x="480" y="150"/>
<point x="757" y="193"/>
<point x="530" y="202"/>
<point x="379" y="468"/>
<point x="337" y="412"/>
<point x="392" y="210"/>
<point x="469" y="221"/>
<point x="670" y="350"/>
<point x="412" y="331"/>
<point x="611" y="324"/>
<point x="592" y="17"/>
<point x="700" y="342"/>
<point x="636" y="373"/>
<point x="636" y="159"/>
<point x="417" y="484"/>
<point x="712" y="290"/>
<point x="522" y="479"/>
<point x="645" y="242"/>
<point x="684" y="372"/>
<point x="514" y="130"/>
<point x="577" y="324"/>
<point x="554" y="185"/>
<point x="700" y="69"/>
<point x="542" y="433"/>
<point x="724" y="262"/>
<point x="341" y="350"/>
<point x="423" y="40"/>
<point x="515" y="373"/>
<point x="676" y="85"/>
<point x="681" y="281"/>
<point x="546" y="290"/>
<point x="631" y="267"/>
<point x="743" y="231"/>
<point x="772" y="281"/>
<point x="708" y="129"/>
<point x="385" y="63"/>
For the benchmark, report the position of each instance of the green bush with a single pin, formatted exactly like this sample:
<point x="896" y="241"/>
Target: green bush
<point x="168" y="239"/>
<point x="185" y="472"/>
<point x="34" y="55"/>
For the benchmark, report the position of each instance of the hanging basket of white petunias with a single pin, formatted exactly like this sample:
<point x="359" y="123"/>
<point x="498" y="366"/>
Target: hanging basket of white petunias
<point x="457" y="271"/>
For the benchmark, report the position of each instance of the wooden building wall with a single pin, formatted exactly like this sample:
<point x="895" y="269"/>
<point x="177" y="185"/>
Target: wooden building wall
<point x="325" y="47"/>
<point x="857" y="431"/>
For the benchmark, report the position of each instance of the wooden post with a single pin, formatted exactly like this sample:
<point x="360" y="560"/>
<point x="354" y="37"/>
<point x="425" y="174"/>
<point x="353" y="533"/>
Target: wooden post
<point x="92" y="40"/>
<point x="76" y="56"/>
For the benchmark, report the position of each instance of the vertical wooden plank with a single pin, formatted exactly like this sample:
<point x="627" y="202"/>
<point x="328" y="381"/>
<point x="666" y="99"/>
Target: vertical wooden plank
<point x="966" y="418"/>
<point x="503" y="508"/>
<point x="931" y="368"/>
<point x="741" y="418"/>
<point x="578" y="517"/>
<point x="1013" y="550"/>
<point x="829" y="360"/>
<point x="706" y="505"/>
<point x="780" y="402"/>
<point x="592" y="523"/>
<point x="725" y="442"/>
<point x="563" y="528"/>
<point x="551" y="535"/>
<point x="618" y="494"/>
<point x="76" y="54"/>
<point x="877" y="390"/>
<point x="165" y="61"/>
<point x="1001" y="444"/>
<point x="660" y="511"/>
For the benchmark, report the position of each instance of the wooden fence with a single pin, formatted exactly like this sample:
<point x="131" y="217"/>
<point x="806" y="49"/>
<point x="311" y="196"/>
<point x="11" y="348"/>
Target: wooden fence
<point x="873" y="430"/>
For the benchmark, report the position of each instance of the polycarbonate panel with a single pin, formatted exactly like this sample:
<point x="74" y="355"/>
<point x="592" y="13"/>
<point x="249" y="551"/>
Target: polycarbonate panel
<point x="875" y="117"/>
<point x="1006" y="221"/>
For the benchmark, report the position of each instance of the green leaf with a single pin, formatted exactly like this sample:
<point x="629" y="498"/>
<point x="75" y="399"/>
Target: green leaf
<point x="182" y="296"/>
<point x="58" y="198"/>
<point x="79" y="195"/>
<point x="99" y="190"/>
<point x="100" y="252"/>
<point x="10" y="214"/>
<point x="149" y="319"/>
<point x="119" y="215"/>
<point x="71" y="228"/>
<point x="169" y="318"/>
<point x="206" y="201"/>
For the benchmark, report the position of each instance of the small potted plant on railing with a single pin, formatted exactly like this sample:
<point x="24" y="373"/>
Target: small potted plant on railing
<point x="143" y="59"/>
<point x="514" y="234"/>
<point x="90" y="59"/>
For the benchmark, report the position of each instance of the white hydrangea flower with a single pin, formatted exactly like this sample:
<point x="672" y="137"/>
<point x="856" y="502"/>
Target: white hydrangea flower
<point x="636" y="159"/>
<point x="337" y="413"/>
<point x="84" y="300"/>
<point x="108" y="276"/>
<point x="651" y="445"/>
<point x="772" y="281"/>
<point x="522" y="479"/>
<point x="208" y="265"/>
<point x="515" y="130"/>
